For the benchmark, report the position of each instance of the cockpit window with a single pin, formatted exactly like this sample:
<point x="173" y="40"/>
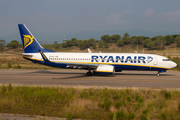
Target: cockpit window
<point x="165" y="59"/>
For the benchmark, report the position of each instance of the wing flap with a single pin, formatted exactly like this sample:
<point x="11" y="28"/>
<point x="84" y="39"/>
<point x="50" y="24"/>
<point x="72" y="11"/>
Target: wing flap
<point x="80" y="65"/>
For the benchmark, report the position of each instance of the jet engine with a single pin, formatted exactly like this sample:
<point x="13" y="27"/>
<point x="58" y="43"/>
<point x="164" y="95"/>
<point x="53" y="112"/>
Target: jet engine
<point x="105" y="69"/>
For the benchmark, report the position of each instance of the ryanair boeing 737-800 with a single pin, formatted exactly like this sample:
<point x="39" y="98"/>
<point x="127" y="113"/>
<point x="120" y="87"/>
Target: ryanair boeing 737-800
<point x="105" y="63"/>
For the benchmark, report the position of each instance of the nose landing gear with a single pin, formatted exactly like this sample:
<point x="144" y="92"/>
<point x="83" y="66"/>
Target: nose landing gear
<point x="158" y="74"/>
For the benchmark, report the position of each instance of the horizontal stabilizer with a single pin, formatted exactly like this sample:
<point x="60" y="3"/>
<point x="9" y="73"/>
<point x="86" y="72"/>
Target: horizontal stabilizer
<point x="23" y="54"/>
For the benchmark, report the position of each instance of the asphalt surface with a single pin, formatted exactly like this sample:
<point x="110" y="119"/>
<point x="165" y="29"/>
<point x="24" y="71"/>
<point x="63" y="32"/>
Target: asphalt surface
<point x="142" y="79"/>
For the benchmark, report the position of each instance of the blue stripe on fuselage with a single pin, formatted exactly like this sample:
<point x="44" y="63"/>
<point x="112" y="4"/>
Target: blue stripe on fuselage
<point x="131" y="67"/>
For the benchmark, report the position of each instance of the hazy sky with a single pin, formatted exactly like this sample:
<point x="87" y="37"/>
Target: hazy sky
<point x="69" y="16"/>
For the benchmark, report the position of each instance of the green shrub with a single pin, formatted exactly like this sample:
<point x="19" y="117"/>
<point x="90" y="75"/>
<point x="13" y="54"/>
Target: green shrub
<point x="163" y="116"/>
<point x="120" y="115"/>
<point x="107" y="105"/>
<point x="114" y="116"/>
<point x="167" y="95"/>
<point x="128" y="98"/>
<point x="64" y="45"/>
<point x="111" y="116"/>
<point x="101" y="105"/>
<point x="118" y="104"/>
<point x="154" y="96"/>
<point x="82" y="46"/>
<point x="161" y="104"/>
<point x="143" y="117"/>
<point x="106" y="94"/>
<point x="94" y="46"/>
<point x="101" y="43"/>
<point x="9" y="87"/>
<point x="69" y="116"/>
<point x="137" y="107"/>
<point x="127" y="91"/>
<point x="84" y="94"/>
<point x="9" y="65"/>
<point x="116" y="97"/>
<point x="106" y="45"/>
<point x="179" y="106"/>
<point x="18" y="67"/>
<point x="140" y="100"/>
<point x="3" y="89"/>
<point x="131" y="116"/>
<point x="150" y="45"/>
<point x="150" y="105"/>
<point x="137" y="96"/>
<point x="120" y="43"/>
<point x="13" y="44"/>
<point x="145" y="111"/>
<point x="178" y="43"/>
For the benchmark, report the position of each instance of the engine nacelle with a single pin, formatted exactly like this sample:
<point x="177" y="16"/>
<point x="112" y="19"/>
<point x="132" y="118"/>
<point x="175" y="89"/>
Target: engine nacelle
<point x="105" y="69"/>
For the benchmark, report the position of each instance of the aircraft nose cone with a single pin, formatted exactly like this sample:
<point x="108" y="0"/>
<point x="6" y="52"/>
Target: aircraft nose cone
<point x="173" y="64"/>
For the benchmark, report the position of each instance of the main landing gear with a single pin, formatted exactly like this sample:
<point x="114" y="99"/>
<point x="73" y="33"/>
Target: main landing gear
<point x="89" y="73"/>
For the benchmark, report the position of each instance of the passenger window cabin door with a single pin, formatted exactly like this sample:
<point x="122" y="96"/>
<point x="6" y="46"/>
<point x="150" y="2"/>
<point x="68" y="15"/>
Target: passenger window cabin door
<point x="155" y="61"/>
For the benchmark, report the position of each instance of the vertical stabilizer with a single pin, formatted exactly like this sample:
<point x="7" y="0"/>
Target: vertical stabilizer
<point x="30" y="44"/>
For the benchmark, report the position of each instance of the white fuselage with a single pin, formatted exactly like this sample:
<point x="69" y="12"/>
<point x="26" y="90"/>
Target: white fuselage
<point x="116" y="59"/>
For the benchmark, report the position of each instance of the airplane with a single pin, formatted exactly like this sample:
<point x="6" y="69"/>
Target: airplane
<point x="95" y="63"/>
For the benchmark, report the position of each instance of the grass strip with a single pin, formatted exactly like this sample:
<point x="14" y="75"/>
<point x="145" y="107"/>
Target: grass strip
<point x="90" y="103"/>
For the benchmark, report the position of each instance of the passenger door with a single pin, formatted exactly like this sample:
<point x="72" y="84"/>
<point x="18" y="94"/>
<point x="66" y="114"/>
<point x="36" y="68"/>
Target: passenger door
<point x="155" y="61"/>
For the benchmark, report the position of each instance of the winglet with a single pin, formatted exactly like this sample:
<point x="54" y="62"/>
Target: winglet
<point x="89" y="51"/>
<point x="44" y="56"/>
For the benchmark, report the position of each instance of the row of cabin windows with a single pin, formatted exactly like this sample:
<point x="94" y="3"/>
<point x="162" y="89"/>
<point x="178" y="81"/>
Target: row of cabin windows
<point x="89" y="59"/>
<point x="69" y="59"/>
<point x="165" y="59"/>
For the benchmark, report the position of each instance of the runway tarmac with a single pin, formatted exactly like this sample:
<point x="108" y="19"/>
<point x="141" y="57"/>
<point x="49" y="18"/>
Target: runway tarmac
<point x="142" y="79"/>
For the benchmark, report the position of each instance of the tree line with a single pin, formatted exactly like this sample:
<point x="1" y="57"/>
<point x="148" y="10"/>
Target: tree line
<point x="157" y="42"/>
<point x="13" y="44"/>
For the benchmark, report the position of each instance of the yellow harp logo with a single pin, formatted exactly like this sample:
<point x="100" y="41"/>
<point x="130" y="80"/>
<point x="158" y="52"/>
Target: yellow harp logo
<point x="27" y="40"/>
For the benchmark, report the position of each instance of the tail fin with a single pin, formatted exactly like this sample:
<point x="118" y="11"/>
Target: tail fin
<point x="30" y="44"/>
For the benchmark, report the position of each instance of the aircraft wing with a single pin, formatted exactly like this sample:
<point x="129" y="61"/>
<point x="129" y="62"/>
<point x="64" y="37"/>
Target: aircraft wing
<point x="81" y="65"/>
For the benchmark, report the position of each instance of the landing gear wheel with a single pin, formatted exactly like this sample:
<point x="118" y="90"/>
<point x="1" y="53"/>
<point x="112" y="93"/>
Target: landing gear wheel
<point x="94" y="73"/>
<point x="89" y="73"/>
<point x="158" y="74"/>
